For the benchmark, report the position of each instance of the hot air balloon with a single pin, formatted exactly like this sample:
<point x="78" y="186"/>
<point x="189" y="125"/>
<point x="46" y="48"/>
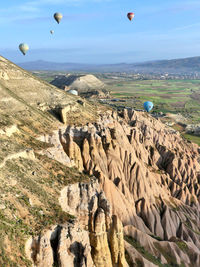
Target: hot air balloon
<point x="58" y="17"/>
<point x="130" y="15"/>
<point x="148" y="106"/>
<point x="52" y="32"/>
<point x="23" y="48"/>
<point x="73" y="92"/>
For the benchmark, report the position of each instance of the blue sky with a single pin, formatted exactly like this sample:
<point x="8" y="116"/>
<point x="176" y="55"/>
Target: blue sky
<point x="98" y="31"/>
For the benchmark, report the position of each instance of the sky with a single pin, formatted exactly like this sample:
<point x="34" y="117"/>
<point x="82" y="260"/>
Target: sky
<point x="98" y="31"/>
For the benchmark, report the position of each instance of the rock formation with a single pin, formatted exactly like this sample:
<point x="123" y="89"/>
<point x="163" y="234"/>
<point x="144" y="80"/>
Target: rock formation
<point x="82" y="192"/>
<point x="95" y="238"/>
<point x="149" y="174"/>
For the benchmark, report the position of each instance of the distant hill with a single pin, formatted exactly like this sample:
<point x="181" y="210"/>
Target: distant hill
<point x="53" y="66"/>
<point x="179" y="66"/>
<point x="176" y="66"/>
<point x="78" y="82"/>
<point x="88" y="86"/>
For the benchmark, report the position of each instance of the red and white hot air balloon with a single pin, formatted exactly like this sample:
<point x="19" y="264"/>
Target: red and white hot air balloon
<point x="130" y="15"/>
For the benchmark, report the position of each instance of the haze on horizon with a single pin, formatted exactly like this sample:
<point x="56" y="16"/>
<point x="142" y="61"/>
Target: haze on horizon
<point x="98" y="31"/>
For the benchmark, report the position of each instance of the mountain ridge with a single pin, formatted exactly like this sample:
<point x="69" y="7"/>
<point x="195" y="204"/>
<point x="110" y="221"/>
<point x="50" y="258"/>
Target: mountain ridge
<point x="179" y="66"/>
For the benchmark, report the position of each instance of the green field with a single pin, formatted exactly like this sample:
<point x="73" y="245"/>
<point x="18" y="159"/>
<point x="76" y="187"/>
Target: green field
<point x="192" y="138"/>
<point x="168" y="96"/>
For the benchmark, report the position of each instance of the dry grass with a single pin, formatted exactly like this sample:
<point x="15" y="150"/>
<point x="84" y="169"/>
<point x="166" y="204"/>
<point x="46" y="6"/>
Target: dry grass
<point x="29" y="189"/>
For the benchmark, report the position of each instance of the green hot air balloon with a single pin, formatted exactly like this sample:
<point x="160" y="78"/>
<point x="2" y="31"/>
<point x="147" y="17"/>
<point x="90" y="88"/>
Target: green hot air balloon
<point x="23" y="48"/>
<point x="58" y="17"/>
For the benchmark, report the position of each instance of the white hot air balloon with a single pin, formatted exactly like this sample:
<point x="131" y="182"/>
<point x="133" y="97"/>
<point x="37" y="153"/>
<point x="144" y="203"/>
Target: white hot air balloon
<point x="73" y="92"/>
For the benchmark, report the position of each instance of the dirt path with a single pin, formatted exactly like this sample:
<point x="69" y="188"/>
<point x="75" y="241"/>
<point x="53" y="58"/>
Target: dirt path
<point x="28" y="154"/>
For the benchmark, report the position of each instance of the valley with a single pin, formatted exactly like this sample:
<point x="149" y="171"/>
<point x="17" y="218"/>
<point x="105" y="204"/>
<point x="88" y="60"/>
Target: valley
<point x="180" y="97"/>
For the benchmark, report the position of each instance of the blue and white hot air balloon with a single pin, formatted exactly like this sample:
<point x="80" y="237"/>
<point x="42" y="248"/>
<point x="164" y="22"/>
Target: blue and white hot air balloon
<point x="148" y="106"/>
<point x="73" y="92"/>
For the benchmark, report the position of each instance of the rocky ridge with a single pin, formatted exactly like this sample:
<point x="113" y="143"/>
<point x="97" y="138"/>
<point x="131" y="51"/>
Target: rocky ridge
<point x="151" y="177"/>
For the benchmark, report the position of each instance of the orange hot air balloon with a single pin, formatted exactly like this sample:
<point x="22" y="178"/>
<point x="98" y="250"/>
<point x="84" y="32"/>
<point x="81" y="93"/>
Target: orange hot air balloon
<point x="130" y="15"/>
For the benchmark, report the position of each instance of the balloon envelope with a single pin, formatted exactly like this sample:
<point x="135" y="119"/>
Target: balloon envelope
<point x="148" y="106"/>
<point x="23" y="48"/>
<point x="130" y="15"/>
<point x="73" y="92"/>
<point x="58" y="17"/>
<point x="52" y="32"/>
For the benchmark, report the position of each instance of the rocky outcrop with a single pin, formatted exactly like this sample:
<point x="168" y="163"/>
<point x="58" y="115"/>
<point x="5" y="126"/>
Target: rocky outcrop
<point x="3" y="75"/>
<point x="95" y="94"/>
<point x="66" y="245"/>
<point x="95" y="238"/>
<point x="55" y="150"/>
<point x="149" y="174"/>
<point x="9" y="131"/>
<point x="75" y="241"/>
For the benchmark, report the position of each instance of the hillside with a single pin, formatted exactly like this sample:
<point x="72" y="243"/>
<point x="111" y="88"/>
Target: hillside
<point x="32" y="171"/>
<point x="85" y="186"/>
<point x="189" y="65"/>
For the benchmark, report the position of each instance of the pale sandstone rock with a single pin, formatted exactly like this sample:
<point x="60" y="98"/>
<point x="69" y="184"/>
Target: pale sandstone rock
<point x="99" y="240"/>
<point x="4" y="75"/>
<point x="79" y="200"/>
<point x="74" y="152"/>
<point x="65" y="110"/>
<point x="57" y="149"/>
<point x="94" y="239"/>
<point x="74" y="247"/>
<point x="148" y="173"/>
<point x="38" y="249"/>
<point x="116" y="239"/>
<point x="150" y="177"/>
<point x="9" y="131"/>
